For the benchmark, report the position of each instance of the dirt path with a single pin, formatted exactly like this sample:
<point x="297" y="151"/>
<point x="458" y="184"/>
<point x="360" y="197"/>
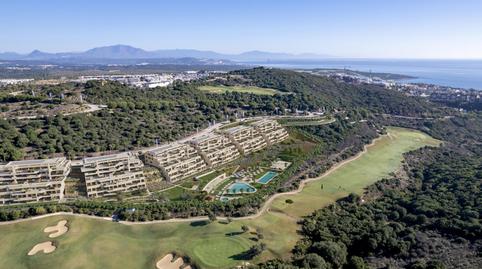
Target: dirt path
<point x="264" y="208"/>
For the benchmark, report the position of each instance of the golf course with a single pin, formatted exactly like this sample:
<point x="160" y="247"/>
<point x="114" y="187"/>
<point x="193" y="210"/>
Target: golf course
<point x="97" y="243"/>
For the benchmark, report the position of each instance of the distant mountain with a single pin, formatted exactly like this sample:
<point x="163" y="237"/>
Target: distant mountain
<point x="129" y="52"/>
<point x="181" y="53"/>
<point x="10" y="56"/>
<point x="116" y="52"/>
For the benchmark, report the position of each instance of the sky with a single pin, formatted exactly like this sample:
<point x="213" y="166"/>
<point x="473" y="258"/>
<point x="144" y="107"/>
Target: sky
<point x="343" y="28"/>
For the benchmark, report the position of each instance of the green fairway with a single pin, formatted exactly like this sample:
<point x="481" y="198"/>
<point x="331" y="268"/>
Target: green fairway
<point x="241" y="89"/>
<point x="101" y="244"/>
<point x="380" y="159"/>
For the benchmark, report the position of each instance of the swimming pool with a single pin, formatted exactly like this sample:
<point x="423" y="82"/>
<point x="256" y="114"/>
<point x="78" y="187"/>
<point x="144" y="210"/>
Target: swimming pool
<point x="267" y="177"/>
<point x="240" y="187"/>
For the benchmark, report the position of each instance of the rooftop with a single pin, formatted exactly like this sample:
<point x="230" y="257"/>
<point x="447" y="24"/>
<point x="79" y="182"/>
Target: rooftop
<point x="237" y="129"/>
<point x="261" y="122"/>
<point x="108" y="157"/>
<point x="35" y="162"/>
<point x="205" y="137"/>
<point x="166" y="147"/>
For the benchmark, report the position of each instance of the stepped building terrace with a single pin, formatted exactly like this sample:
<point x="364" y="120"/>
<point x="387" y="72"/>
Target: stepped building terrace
<point x="33" y="180"/>
<point x="176" y="161"/>
<point x="108" y="175"/>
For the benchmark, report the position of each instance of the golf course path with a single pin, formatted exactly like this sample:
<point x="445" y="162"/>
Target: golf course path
<point x="264" y="208"/>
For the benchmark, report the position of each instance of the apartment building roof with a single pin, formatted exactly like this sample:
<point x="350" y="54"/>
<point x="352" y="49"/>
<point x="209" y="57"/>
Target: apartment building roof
<point x="108" y="157"/>
<point x="236" y="129"/>
<point x="262" y="122"/>
<point x="166" y="147"/>
<point x="36" y="162"/>
<point x="205" y="137"/>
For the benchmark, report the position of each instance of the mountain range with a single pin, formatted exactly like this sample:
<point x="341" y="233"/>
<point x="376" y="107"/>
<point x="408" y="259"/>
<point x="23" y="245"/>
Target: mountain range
<point x="128" y="52"/>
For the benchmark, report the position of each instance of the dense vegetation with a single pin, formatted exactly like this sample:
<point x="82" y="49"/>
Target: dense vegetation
<point x="433" y="223"/>
<point x="325" y="92"/>
<point x="137" y="117"/>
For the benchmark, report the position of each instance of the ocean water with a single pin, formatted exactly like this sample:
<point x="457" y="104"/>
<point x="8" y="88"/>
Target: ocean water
<point x="454" y="73"/>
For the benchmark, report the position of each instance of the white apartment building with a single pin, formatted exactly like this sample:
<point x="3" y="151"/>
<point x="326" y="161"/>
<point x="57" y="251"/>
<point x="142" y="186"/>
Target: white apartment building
<point x="176" y="161"/>
<point x="215" y="149"/>
<point x="246" y="138"/>
<point x="271" y="130"/>
<point x="33" y="180"/>
<point x="111" y="174"/>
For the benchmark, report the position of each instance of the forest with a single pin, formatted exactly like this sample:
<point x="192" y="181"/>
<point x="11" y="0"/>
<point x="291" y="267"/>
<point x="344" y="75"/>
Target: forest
<point x="136" y="117"/>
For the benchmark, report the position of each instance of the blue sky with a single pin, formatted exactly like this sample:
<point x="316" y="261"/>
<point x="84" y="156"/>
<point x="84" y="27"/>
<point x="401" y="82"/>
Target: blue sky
<point x="345" y="28"/>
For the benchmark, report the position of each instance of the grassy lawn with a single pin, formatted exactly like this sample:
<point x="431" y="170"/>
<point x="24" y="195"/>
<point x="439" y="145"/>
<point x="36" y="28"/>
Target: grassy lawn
<point x="241" y="89"/>
<point x="176" y="193"/>
<point x="100" y="244"/>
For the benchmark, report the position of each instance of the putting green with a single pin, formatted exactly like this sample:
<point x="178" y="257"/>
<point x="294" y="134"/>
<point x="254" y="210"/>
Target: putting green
<point x="92" y="243"/>
<point x="208" y="248"/>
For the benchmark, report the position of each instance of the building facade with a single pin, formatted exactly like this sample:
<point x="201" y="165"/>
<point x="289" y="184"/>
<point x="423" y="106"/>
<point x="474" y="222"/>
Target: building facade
<point x="246" y="138"/>
<point x="176" y="161"/>
<point x="271" y="130"/>
<point x="33" y="180"/>
<point x="111" y="174"/>
<point x="215" y="149"/>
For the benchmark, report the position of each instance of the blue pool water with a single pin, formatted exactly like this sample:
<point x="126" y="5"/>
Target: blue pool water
<point x="267" y="177"/>
<point x="240" y="187"/>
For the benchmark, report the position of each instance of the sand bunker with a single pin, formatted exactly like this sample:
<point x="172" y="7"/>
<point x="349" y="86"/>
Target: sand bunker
<point x="46" y="247"/>
<point x="167" y="263"/>
<point x="57" y="230"/>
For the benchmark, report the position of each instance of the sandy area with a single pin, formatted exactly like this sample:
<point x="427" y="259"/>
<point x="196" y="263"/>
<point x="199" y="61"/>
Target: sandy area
<point x="46" y="247"/>
<point x="167" y="263"/>
<point x="57" y="230"/>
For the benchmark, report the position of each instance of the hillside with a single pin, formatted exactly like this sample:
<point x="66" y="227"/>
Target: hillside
<point x="322" y="91"/>
<point x="183" y="108"/>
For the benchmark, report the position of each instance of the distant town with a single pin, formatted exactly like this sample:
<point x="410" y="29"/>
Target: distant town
<point x="435" y="93"/>
<point x="135" y="80"/>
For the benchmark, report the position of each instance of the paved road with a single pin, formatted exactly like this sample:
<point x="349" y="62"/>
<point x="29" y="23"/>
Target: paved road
<point x="91" y="108"/>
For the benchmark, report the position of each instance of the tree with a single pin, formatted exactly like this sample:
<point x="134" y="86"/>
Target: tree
<point x="40" y="210"/>
<point x="314" y="261"/>
<point x="332" y="252"/>
<point x="212" y="216"/>
<point x="356" y="262"/>
<point x="256" y="250"/>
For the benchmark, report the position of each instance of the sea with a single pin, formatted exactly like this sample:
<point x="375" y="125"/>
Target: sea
<point x="452" y="73"/>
